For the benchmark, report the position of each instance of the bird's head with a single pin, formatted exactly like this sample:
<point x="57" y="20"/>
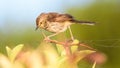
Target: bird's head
<point x="41" y="20"/>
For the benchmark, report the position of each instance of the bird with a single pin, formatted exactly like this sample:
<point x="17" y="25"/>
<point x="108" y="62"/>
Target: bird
<point x="57" y="22"/>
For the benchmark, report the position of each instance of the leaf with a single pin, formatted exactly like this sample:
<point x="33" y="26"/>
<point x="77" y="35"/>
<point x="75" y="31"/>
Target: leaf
<point x="74" y="49"/>
<point x="75" y="41"/>
<point x="65" y="63"/>
<point x="60" y="49"/>
<point x="14" y="52"/>
<point x="81" y="54"/>
<point x="8" y="51"/>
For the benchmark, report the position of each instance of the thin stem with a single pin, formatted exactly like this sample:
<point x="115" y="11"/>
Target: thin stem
<point x="94" y="65"/>
<point x="68" y="51"/>
<point x="71" y="34"/>
<point x="84" y="45"/>
<point x="54" y="41"/>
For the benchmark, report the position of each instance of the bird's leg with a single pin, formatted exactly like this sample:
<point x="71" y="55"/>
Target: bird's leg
<point x="47" y="38"/>
<point x="71" y="34"/>
<point x="44" y="34"/>
<point x="53" y="35"/>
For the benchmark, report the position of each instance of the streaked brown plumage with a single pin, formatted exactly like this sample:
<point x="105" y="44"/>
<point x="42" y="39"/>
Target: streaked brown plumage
<point x="55" y="22"/>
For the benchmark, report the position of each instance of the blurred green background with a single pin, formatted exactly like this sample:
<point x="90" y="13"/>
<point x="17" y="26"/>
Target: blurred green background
<point x="17" y="24"/>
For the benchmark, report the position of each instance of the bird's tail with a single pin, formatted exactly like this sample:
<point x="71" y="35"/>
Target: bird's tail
<point x="84" y="22"/>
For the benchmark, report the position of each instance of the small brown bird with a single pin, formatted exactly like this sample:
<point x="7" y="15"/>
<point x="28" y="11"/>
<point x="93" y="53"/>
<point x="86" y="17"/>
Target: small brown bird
<point x="57" y="23"/>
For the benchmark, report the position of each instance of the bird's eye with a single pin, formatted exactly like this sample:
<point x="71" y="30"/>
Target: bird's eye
<point x="41" y="24"/>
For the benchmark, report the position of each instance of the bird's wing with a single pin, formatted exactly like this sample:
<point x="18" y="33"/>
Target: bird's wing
<point x="63" y="18"/>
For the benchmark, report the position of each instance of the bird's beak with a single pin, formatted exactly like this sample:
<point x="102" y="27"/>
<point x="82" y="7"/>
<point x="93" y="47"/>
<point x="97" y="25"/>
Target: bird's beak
<point x="36" y="28"/>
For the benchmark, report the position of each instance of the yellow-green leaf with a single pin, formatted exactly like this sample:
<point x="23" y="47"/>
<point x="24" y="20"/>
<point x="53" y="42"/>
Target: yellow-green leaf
<point x="81" y="54"/>
<point x="8" y="51"/>
<point x="65" y="63"/>
<point x="74" y="49"/>
<point x="13" y="53"/>
<point x="60" y="49"/>
<point x="75" y="41"/>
